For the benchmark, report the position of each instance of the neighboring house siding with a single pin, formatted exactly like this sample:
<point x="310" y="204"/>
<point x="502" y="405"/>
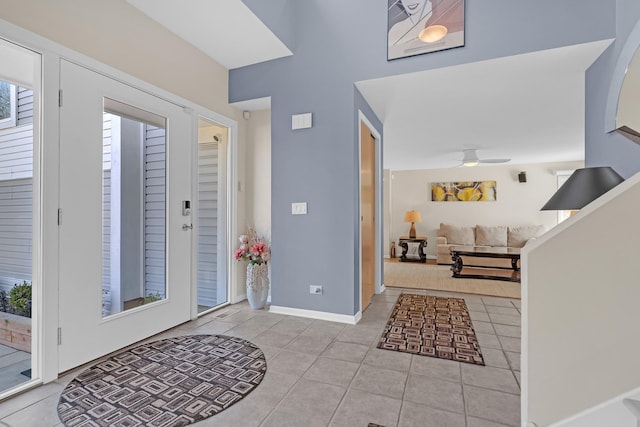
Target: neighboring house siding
<point x="154" y="210"/>
<point x="207" y="223"/>
<point x="16" y="195"/>
<point x="106" y="212"/>
<point x="25" y="106"/>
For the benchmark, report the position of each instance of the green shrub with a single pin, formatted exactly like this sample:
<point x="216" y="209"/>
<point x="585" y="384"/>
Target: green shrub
<point x="19" y="296"/>
<point x="152" y="298"/>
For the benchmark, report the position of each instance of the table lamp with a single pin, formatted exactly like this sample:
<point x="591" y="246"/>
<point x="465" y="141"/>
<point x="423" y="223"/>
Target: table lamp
<point x="412" y="217"/>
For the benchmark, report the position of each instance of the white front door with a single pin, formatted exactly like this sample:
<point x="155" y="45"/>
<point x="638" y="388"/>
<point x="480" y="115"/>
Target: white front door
<point x="125" y="170"/>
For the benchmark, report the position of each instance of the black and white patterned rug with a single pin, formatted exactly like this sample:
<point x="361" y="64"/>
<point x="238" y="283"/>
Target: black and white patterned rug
<point x="172" y="382"/>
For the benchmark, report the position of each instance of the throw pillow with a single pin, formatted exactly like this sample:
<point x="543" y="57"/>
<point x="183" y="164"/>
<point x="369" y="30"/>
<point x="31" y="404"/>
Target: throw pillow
<point x="457" y="235"/>
<point x="518" y="236"/>
<point x="491" y="236"/>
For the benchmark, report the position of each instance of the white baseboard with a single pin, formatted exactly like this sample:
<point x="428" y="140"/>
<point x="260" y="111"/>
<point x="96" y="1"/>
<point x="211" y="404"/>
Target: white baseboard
<point x="239" y="298"/>
<point x="382" y="288"/>
<point x="320" y="315"/>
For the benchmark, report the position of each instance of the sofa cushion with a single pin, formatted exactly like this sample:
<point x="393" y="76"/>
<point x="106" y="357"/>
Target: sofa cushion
<point x="457" y="235"/>
<point x="491" y="236"/>
<point x="518" y="236"/>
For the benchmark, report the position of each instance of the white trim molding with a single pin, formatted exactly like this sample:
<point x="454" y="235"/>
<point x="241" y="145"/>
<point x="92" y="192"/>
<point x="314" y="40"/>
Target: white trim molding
<point x="319" y="315"/>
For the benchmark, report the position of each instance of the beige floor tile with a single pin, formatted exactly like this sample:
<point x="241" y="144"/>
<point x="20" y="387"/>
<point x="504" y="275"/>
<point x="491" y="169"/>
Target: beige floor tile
<point x="309" y="344"/>
<point x="434" y="392"/>
<point x="489" y="377"/>
<point x="346" y="351"/>
<point x="245" y="413"/>
<point x="476" y="307"/>
<point x="488" y="340"/>
<point x="497" y="302"/>
<point x="388" y="359"/>
<point x="269" y="351"/>
<point x="29" y="398"/>
<point x="247" y="332"/>
<point x="483" y="327"/>
<point x="292" y="325"/>
<point x="359" y="408"/>
<point x="413" y="415"/>
<point x="507" y="330"/>
<point x="274" y="339"/>
<point x="478" y="422"/>
<point x="492" y="405"/>
<point x="434" y="367"/>
<point x="510" y="344"/>
<point x="290" y="362"/>
<point x="41" y="414"/>
<point x="511" y="311"/>
<point x="313" y="399"/>
<point x="479" y="315"/>
<point x="273" y="388"/>
<point x="494" y="357"/>
<point x="282" y="418"/>
<point x="321" y="328"/>
<point x="504" y="319"/>
<point x="332" y="371"/>
<point x="514" y="360"/>
<point x="215" y="327"/>
<point x="360" y="335"/>
<point x="380" y="381"/>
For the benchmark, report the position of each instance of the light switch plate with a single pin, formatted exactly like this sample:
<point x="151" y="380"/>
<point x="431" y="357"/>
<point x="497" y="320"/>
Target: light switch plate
<point x="299" y="208"/>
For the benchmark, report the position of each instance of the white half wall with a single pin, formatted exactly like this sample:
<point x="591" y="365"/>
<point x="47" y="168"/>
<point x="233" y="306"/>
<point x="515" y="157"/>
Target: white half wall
<point x="580" y="313"/>
<point x="517" y="203"/>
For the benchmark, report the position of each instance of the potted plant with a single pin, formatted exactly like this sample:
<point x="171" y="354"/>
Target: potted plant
<point x="255" y="250"/>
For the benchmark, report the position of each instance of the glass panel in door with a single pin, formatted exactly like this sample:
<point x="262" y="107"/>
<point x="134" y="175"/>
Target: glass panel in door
<point x="134" y="208"/>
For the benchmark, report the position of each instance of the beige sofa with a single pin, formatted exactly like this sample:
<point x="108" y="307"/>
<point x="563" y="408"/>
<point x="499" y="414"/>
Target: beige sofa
<point x="482" y="235"/>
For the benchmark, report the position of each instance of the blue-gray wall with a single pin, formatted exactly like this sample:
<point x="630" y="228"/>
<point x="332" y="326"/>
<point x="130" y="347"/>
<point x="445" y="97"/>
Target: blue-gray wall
<point x="603" y="80"/>
<point x="336" y="44"/>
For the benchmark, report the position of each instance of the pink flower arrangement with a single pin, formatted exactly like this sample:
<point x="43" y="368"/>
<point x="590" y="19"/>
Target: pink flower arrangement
<point x="252" y="248"/>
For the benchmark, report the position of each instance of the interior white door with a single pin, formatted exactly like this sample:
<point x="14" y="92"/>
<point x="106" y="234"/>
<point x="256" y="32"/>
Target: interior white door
<point x="84" y="333"/>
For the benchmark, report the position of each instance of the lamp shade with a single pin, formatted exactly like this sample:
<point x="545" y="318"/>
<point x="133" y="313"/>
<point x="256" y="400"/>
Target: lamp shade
<point x="583" y="186"/>
<point x="412" y="216"/>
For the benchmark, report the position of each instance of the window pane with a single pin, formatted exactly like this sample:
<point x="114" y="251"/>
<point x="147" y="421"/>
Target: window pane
<point x="134" y="210"/>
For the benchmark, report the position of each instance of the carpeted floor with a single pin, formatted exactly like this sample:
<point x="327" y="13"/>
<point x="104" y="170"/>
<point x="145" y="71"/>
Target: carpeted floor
<point x="432" y="326"/>
<point x="438" y="277"/>
<point x="167" y="383"/>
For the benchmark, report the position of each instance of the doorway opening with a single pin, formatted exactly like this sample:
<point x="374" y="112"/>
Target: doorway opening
<point x="212" y="283"/>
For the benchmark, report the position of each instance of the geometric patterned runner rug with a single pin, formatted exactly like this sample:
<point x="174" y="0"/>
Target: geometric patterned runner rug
<point x="432" y="326"/>
<point x="167" y="383"/>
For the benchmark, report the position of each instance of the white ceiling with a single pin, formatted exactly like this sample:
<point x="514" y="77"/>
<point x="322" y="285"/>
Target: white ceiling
<point x="227" y="30"/>
<point x="528" y="108"/>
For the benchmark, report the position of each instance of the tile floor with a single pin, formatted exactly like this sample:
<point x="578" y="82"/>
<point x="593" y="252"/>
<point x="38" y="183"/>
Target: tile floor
<point x="328" y="374"/>
<point x="12" y="362"/>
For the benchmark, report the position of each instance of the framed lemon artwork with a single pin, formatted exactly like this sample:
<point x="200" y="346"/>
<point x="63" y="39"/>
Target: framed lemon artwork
<point x="464" y="191"/>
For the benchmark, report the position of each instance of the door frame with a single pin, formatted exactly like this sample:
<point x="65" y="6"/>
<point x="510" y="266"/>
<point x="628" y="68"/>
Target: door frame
<point x="52" y="52"/>
<point x="378" y="285"/>
<point x="231" y="207"/>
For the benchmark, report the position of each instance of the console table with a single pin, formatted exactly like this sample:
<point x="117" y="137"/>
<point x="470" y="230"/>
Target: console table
<point x="478" y="272"/>
<point x="403" y="242"/>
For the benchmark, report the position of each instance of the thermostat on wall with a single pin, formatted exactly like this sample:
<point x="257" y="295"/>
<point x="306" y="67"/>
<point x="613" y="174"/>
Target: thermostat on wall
<point x="301" y="121"/>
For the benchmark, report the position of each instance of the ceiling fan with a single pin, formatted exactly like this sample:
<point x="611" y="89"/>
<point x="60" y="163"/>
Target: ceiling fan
<point x="470" y="158"/>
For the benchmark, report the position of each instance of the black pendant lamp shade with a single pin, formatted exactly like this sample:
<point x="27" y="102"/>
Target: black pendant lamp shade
<point x="583" y="186"/>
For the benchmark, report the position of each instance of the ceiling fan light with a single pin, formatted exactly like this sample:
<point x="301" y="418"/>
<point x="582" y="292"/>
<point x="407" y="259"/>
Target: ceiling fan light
<point x="433" y="33"/>
<point x="470" y="163"/>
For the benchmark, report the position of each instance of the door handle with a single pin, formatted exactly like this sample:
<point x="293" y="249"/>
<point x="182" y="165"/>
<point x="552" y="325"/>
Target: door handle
<point x="186" y="227"/>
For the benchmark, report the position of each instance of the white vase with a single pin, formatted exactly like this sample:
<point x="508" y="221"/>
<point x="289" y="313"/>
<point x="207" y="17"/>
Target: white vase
<point x="257" y="285"/>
